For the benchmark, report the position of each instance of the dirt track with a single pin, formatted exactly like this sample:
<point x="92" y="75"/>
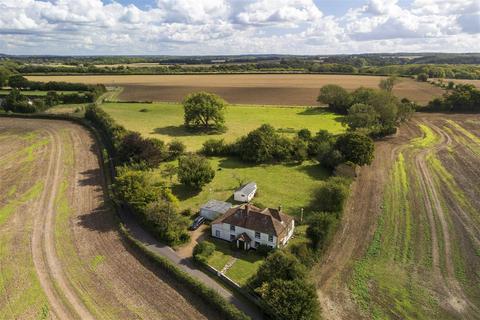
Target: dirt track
<point x="438" y="245"/>
<point x="75" y="253"/>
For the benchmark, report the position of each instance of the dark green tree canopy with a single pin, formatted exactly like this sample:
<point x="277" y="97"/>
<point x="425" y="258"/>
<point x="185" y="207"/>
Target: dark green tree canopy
<point x="195" y="171"/>
<point x="356" y="148"/>
<point x="337" y="98"/>
<point x="204" y="110"/>
<point x="361" y="116"/>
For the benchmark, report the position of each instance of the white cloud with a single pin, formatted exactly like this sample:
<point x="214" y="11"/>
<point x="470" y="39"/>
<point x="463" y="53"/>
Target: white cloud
<point x="235" y="26"/>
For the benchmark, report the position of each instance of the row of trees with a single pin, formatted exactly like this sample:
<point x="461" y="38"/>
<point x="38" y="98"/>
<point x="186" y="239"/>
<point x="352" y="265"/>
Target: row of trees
<point x="266" y="145"/>
<point x="15" y="101"/>
<point x="376" y="112"/>
<point x="346" y="65"/>
<point x="460" y="98"/>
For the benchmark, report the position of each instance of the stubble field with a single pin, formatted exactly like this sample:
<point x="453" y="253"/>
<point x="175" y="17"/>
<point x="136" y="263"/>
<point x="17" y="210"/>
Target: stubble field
<point x="61" y="255"/>
<point x="268" y="89"/>
<point x="409" y="244"/>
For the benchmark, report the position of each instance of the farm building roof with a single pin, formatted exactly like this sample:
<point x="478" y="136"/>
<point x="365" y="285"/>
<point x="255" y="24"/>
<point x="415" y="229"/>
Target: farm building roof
<point x="217" y="206"/>
<point x="268" y="220"/>
<point x="248" y="188"/>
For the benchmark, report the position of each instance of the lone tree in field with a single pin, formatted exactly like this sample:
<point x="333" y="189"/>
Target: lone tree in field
<point x="388" y="84"/>
<point x="204" y="110"/>
<point x="194" y="171"/>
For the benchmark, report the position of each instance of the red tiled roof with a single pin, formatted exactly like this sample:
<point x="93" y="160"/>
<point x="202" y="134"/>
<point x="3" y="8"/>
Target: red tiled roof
<point x="269" y="221"/>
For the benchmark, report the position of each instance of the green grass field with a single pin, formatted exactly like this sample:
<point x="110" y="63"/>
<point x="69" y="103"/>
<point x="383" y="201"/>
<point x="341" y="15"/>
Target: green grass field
<point x="165" y="120"/>
<point x="291" y="186"/>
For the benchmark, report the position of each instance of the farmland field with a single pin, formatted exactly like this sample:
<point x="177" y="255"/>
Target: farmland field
<point x="165" y="121"/>
<point x="268" y="89"/>
<point x="61" y="255"/>
<point x="409" y="243"/>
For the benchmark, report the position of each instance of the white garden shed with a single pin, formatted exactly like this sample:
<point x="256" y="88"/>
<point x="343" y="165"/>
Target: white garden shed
<point x="246" y="192"/>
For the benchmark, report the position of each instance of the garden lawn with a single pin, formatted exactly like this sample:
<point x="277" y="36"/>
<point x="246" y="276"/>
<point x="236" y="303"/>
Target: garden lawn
<point x="291" y="186"/>
<point x="165" y="120"/>
<point x="245" y="266"/>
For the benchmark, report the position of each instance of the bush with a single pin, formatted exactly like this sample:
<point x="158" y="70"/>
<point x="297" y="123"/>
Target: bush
<point x="356" y="148"/>
<point x="175" y="149"/>
<point x="202" y="251"/>
<point x="279" y="265"/>
<point x="215" y="147"/>
<point x="303" y="253"/>
<point x="331" y="196"/>
<point x="195" y="171"/>
<point x="320" y="228"/>
<point x="136" y="149"/>
<point x="291" y="299"/>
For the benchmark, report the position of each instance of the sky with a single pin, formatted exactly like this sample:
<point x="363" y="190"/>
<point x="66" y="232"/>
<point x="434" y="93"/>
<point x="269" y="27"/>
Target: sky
<point x="221" y="27"/>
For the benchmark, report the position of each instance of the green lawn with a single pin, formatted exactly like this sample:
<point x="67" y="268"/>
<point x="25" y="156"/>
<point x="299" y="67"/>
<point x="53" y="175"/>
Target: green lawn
<point x="245" y="266"/>
<point x="291" y="186"/>
<point x="165" y="120"/>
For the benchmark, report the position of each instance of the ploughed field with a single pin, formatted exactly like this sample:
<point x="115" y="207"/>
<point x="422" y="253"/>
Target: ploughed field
<point x="268" y="89"/>
<point x="409" y="243"/>
<point x="61" y="255"/>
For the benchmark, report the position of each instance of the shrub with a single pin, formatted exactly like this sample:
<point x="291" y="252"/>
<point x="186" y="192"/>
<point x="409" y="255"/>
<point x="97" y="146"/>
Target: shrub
<point x="136" y="149"/>
<point x="215" y="147"/>
<point x="303" y="253"/>
<point x="291" y="299"/>
<point x="202" y="251"/>
<point x="423" y="77"/>
<point x="331" y="196"/>
<point x="175" y="149"/>
<point x="356" y="148"/>
<point x="195" y="171"/>
<point x="279" y="265"/>
<point x="321" y="227"/>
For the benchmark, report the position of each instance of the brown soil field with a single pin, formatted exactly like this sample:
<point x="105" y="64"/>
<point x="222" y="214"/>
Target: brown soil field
<point x="61" y="253"/>
<point x="269" y="89"/>
<point x="409" y="241"/>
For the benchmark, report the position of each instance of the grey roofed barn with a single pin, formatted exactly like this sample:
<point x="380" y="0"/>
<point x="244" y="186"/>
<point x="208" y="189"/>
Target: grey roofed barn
<point x="214" y="208"/>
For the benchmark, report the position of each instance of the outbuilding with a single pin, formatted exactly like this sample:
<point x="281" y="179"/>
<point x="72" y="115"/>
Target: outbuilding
<point x="246" y="192"/>
<point x="214" y="209"/>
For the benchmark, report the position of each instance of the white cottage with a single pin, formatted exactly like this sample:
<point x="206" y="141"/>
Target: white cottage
<point x="246" y="192"/>
<point x="250" y="227"/>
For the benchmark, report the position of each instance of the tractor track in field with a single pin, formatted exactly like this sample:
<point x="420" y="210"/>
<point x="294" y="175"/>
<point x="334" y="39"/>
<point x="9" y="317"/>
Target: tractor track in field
<point x="448" y="221"/>
<point x="84" y="267"/>
<point x="47" y="265"/>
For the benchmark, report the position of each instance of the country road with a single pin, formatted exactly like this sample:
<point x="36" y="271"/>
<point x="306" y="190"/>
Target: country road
<point x="61" y="253"/>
